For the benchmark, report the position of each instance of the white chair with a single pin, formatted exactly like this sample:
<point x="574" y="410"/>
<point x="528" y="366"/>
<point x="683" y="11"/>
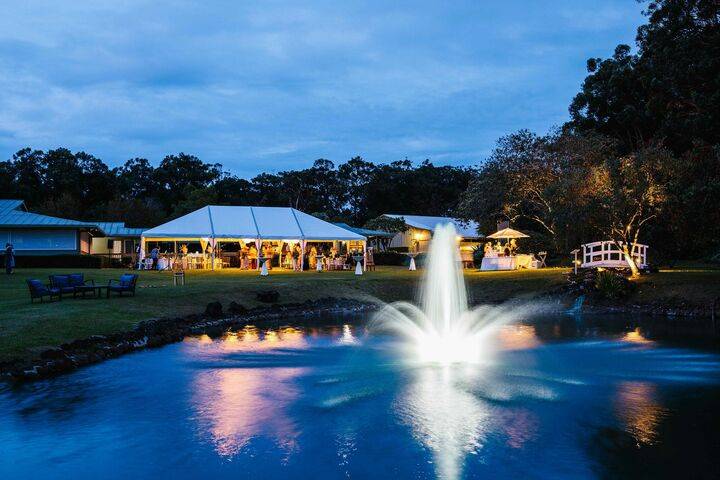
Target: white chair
<point x="541" y="259"/>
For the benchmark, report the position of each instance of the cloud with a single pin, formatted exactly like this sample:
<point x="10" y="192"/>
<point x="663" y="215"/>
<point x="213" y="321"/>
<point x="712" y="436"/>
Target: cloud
<point x="276" y="85"/>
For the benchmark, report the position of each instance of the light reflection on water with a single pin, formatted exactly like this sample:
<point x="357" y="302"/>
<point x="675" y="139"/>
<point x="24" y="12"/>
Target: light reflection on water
<point x="329" y="402"/>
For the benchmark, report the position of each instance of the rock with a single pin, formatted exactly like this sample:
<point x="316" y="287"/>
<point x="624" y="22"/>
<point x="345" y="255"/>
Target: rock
<point x="268" y="296"/>
<point x="236" y="309"/>
<point x="214" y="309"/>
<point x="53" y="354"/>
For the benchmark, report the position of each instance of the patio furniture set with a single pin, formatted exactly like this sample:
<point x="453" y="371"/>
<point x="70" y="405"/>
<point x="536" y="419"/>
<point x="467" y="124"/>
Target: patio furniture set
<point x="75" y="284"/>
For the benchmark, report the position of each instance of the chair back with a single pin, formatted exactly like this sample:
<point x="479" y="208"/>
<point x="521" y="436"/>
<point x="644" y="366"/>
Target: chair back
<point x="76" y="279"/>
<point x="128" y="279"/>
<point x="60" y="281"/>
<point x="36" y="286"/>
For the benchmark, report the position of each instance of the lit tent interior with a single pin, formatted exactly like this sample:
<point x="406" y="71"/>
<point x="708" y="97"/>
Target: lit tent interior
<point x="247" y="224"/>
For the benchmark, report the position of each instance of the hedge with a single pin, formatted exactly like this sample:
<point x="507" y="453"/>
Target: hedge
<point x="56" y="261"/>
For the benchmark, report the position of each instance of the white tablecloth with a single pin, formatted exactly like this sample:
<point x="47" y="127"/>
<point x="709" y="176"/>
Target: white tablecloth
<point x="524" y="261"/>
<point x="508" y="263"/>
<point x="498" y="263"/>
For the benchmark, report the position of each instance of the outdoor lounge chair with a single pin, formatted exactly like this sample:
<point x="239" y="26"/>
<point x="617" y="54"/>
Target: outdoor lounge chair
<point x="40" y="290"/>
<point x="68" y="283"/>
<point x="126" y="283"/>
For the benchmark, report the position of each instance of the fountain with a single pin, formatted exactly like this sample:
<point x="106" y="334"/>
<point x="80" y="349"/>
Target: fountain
<point x="444" y="330"/>
<point x="450" y="342"/>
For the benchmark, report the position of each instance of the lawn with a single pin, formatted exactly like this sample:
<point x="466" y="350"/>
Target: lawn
<point x="25" y="329"/>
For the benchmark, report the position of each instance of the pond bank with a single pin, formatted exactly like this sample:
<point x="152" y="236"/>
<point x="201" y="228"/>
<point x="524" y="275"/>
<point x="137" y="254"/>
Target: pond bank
<point x="669" y="320"/>
<point x="158" y="332"/>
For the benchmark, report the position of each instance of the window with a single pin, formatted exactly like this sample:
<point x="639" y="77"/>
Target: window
<point x="43" y="239"/>
<point x="110" y="244"/>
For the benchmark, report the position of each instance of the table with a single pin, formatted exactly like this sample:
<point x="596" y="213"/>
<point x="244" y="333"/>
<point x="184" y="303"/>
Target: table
<point x="95" y="289"/>
<point x="499" y="263"/>
<point x="512" y="262"/>
<point x="524" y="261"/>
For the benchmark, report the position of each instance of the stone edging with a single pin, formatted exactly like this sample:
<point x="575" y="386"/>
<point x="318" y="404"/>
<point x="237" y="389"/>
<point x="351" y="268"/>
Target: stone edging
<point x="159" y="332"/>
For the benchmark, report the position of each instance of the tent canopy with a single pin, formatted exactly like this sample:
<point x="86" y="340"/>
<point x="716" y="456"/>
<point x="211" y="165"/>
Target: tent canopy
<point x="508" y="233"/>
<point x="239" y="222"/>
<point x="464" y="229"/>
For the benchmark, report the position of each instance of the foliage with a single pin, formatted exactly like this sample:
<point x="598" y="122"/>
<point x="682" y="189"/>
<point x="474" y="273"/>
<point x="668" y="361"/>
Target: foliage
<point x="611" y="284"/>
<point x="78" y="185"/>
<point x="643" y="145"/>
<point x="390" y="258"/>
<point x="387" y="224"/>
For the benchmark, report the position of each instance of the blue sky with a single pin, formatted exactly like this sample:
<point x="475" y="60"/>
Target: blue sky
<point x="267" y="86"/>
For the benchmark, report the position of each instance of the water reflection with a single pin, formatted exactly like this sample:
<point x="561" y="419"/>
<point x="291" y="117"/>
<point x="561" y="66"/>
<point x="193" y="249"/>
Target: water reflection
<point x="235" y="405"/>
<point x="637" y="405"/>
<point x="445" y="417"/>
<point x="518" y="337"/>
<point x="636" y="336"/>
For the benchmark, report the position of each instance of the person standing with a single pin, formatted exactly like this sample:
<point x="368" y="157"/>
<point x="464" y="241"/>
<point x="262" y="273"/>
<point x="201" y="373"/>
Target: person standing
<point x="154" y="254"/>
<point x="9" y="258"/>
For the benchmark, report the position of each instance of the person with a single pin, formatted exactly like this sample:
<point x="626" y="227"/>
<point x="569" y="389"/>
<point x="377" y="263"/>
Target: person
<point x="154" y="254"/>
<point x="513" y="246"/>
<point x="253" y="255"/>
<point x="296" y="257"/>
<point x="507" y="251"/>
<point x="9" y="258"/>
<point x="312" y="258"/>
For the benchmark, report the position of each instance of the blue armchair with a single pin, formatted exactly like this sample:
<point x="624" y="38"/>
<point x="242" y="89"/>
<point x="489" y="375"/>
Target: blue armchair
<point x="126" y="283"/>
<point x="40" y="290"/>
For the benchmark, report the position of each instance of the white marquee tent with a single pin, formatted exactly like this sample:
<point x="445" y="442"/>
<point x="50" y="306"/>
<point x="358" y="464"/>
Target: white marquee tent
<point x="250" y="224"/>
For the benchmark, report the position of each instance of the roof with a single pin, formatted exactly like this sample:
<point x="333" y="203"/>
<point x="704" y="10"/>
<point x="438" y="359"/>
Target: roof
<point x="508" y="233"/>
<point x="118" y="229"/>
<point x="13" y="214"/>
<point x="366" y="232"/>
<point x="276" y="223"/>
<point x="464" y="229"/>
<point x="6" y="205"/>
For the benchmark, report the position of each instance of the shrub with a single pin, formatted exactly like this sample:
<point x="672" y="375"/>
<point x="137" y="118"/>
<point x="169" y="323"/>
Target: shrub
<point x="611" y="284"/>
<point x="56" y="261"/>
<point x="390" y="258"/>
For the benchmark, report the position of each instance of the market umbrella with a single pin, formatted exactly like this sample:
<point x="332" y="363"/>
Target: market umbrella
<point x="508" y="233"/>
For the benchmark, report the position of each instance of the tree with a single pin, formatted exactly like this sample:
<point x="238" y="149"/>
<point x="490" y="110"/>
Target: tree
<point x="386" y="224"/>
<point x="627" y="193"/>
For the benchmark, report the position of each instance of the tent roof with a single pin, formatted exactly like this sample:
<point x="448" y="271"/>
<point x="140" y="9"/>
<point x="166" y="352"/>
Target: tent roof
<point x="274" y="223"/>
<point x="508" y="233"/>
<point x="424" y="222"/>
<point x="365" y="231"/>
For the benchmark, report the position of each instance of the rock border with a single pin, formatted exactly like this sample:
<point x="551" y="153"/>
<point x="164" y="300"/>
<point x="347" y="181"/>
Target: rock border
<point x="159" y="332"/>
<point x="162" y="331"/>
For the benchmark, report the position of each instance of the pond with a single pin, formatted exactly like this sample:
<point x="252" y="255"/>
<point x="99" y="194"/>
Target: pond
<point x="561" y="398"/>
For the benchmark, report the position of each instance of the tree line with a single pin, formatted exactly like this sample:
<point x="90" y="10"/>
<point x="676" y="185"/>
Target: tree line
<point x="80" y="186"/>
<point x="639" y="160"/>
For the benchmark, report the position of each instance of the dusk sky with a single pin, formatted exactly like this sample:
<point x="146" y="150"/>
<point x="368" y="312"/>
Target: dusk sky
<point x="267" y="86"/>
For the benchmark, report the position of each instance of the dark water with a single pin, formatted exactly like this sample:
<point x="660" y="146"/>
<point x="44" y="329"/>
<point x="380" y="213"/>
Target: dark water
<point x="560" y="400"/>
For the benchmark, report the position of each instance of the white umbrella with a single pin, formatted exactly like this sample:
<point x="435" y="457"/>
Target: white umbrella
<point x="508" y="233"/>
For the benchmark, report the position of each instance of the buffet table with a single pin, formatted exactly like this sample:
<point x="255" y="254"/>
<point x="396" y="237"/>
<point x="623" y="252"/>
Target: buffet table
<point x="512" y="262"/>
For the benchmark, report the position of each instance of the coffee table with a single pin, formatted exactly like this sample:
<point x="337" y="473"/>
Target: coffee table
<point x="95" y="289"/>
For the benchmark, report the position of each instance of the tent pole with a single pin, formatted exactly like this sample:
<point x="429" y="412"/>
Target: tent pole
<point x="303" y="243"/>
<point x="365" y="256"/>
<point x="212" y="255"/>
<point x="141" y="254"/>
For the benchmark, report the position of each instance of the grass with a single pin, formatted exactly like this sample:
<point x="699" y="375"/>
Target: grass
<point x="26" y="329"/>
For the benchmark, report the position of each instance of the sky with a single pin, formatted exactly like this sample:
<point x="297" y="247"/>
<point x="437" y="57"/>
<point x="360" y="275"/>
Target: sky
<point x="274" y="85"/>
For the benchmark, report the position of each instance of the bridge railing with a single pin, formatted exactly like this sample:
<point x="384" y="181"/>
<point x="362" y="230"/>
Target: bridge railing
<point x="607" y="253"/>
